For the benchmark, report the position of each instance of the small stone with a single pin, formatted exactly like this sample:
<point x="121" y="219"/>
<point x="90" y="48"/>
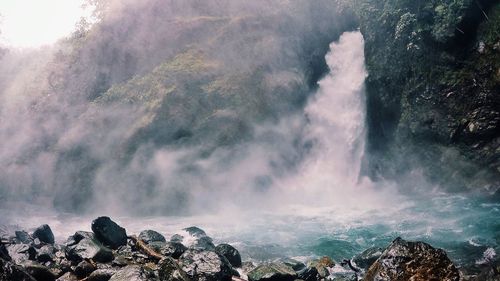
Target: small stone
<point x="169" y="270"/>
<point x="205" y="265"/>
<point x="101" y="274"/>
<point x="130" y="273"/>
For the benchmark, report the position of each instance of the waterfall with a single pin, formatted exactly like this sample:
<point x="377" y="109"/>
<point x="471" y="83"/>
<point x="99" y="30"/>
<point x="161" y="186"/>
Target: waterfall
<point x="336" y="117"/>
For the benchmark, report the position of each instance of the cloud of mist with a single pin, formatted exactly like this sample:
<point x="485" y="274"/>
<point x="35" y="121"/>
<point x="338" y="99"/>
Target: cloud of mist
<point x="168" y="107"/>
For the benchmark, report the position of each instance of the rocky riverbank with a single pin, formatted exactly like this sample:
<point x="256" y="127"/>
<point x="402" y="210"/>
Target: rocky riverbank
<point x="109" y="253"/>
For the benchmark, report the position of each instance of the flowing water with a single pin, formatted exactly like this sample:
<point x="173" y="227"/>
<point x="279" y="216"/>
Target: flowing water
<point x="325" y="208"/>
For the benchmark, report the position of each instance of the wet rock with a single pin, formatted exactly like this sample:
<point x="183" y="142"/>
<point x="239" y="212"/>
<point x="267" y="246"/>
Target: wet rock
<point x="416" y="261"/>
<point x="276" y="271"/>
<point x="367" y="257"/>
<point x="68" y="276"/>
<point x="296" y="265"/>
<point x="38" y="271"/>
<point x="109" y="233"/>
<point x="12" y="272"/>
<point x="101" y="274"/>
<point x="195" y="231"/>
<point x="205" y="265"/>
<point x="203" y="243"/>
<point x="169" y="249"/>
<point x="78" y="236"/>
<point x="169" y="270"/>
<point x="84" y="269"/>
<point x="46" y="254"/>
<point x="44" y="233"/>
<point x="23" y="237"/>
<point x="4" y="253"/>
<point x="21" y="252"/>
<point x="130" y="273"/>
<point x="322" y="265"/>
<point x="176" y="238"/>
<point x="89" y="249"/>
<point x="309" y="274"/>
<point x="149" y="236"/>
<point x="230" y="253"/>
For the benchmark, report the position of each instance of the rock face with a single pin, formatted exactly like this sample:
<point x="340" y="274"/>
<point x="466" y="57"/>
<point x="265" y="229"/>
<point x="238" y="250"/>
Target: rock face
<point x="367" y="257"/>
<point x="432" y="89"/>
<point x="416" y="261"/>
<point x="44" y="233"/>
<point x="109" y="233"/>
<point x="276" y="271"/>
<point x="205" y="265"/>
<point x="230" y="253"/>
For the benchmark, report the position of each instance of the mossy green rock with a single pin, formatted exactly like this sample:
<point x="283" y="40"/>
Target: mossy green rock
<point x="276" y="271"/>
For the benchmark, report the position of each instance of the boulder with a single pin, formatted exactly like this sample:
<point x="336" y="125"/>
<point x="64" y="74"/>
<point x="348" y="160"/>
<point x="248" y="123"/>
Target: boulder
<point x="195" y="238"/>
<point x="309" y="274"/>
<point x="12" y="272"/>
<point x="169" y="270"/>
<point x="109" y="233"/>
<point x="78" y="236"/>
<point x="23" y="237"/>
<point x="103" y="274"/>
<point x="230" y="253"/>
<point x="84" y="269"/>
<point x="416" y="261"/>
<point x="322" y="266"/>
<point x="149" y="236"/>
<point x="205" y="265"/>
<point x="89" y="249"/>
<point x="366" y="258"/>
<point x="295" y="264"/>
<point x="130" y="273"/>
<point x="38" y="271"/>
<point x="195" y="231"/>
<point x="169" y="249"/>
<point x="21" y="252"/>
<point x="44" y="234"/>
<point x="46" y="253"/>
<point x="275" y="271"/>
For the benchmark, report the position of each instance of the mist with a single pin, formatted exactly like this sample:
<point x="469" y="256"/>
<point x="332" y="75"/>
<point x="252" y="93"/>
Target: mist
<point x="171" y="107"/>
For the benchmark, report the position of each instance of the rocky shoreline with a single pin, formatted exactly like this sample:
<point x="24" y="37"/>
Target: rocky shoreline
<point x="109" y="253"/>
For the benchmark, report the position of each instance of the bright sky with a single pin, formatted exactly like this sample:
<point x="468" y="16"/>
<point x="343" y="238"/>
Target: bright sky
<point x="33" y="23"/>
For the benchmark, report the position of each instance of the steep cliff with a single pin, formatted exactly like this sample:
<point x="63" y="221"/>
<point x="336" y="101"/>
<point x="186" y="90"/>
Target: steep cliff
<point x="433" y="90"/>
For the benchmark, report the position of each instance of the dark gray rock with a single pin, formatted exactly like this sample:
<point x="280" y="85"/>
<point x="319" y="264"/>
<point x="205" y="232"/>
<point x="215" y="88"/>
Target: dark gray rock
<point x="109" y="233"/>
<point x="149" y="236"/>
<point x="417" y="261"/>
<point x="84" y="269"/>
<point x="275" y="271"/>
<point x="130" y="273"/>
<point x="169" y="249"/>
<point x="101" y="274"/>
<point x="177" y="238"/>
<point x="203" y="243"/>
<point x="38" y="271"/>
<point x="296" y="265"/>
<point x="44" y="233"/>
<point x="230" y="253"/>
<point x="23" y="237"/>
<point x="195" y="231"/>
<point x="46" y="253"/>
<point x="309" y="274"/>
<point x="169" y="270"/>
<point x="12" y="272"/>
<point x="365" y="259"/>
<point x="89" y="249"/>
<point x="21" y="252"/>
<point x="205" y="265"/>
